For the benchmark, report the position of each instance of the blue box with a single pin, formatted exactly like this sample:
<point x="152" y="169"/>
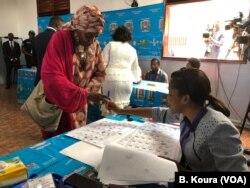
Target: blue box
<point x="149" y="94"/>
<point x="25" y="83"/>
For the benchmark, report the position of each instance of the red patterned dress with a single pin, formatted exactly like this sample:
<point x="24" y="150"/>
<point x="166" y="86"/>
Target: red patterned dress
<point x="65" y="85"/>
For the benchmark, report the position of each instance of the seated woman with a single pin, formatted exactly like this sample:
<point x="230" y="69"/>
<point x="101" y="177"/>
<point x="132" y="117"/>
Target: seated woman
<point x="209" y="140"/>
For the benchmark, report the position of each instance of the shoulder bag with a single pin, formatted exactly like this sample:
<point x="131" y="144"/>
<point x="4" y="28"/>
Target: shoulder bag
<point x="46" y="115"/>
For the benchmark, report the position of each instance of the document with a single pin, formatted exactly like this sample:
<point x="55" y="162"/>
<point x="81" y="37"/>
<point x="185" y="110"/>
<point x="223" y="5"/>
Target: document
<point x="159" y="139"/>
<point x="126" y="153"/>
<point x="127" y="166"/>
<point x="102" y="132"/>
<point x="84" y="152"/>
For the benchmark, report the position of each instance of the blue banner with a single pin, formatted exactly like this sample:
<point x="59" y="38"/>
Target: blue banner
<point x="146" y="24"/>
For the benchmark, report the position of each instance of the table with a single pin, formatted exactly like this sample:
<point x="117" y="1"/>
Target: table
<point x="45" y="157"/>
<point x="149" y="94"/>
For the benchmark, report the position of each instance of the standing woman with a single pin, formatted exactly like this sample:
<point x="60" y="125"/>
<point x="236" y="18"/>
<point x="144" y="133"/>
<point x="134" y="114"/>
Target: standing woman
<point x="208" y="139"/>
<point x="73" y="69"/>
<point x="122" y="67"/>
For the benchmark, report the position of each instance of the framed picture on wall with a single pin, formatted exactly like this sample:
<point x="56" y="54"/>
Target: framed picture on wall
<point x="112" y="27"/>
<point x="129" y="25"/>
<point x="145" y="25"/>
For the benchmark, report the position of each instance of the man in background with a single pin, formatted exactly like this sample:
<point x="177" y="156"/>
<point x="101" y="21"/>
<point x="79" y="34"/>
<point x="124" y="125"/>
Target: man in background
<point x="11" y="53"/>
<point x="193" y="63"/>
<point x="214" y="42"/>
<point x="156" y="74"/>
<point x="41" y="41"/>
<point x="27" y="49"/>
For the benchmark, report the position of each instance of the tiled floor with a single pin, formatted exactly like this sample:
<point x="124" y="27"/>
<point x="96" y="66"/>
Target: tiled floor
<point x="17" y="130"/>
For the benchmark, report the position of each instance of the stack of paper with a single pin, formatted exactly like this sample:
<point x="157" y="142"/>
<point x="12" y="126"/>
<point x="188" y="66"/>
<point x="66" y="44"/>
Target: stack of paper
<point x="126" y="166"/>
<point x="155" y="138"/>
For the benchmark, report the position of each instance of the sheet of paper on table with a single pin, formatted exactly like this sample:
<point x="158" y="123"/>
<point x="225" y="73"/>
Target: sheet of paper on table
<point x="125" y="166"/>
<point x="148" y="138"/>
<point x="103" y="132"/>
<point x="86" y="153"/>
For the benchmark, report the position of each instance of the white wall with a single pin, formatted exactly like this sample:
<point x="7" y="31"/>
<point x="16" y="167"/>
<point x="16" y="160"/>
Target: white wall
<point x="19" y="16"/>
<point x="26" y="17"/>
<point x="235" y="80"/>
<point x="8" y="15"/>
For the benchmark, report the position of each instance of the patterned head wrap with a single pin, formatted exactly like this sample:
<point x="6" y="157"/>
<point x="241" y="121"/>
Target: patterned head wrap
<point x="88" y="19"/>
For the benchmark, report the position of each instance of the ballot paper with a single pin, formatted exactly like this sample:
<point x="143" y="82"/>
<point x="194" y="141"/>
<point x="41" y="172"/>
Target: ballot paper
<point x="157" y="138"/>
<point x="128" y="166"/>
<point x="102" y="132"/>
<point x="84" y="152"/>
<point x="145" y="141"/>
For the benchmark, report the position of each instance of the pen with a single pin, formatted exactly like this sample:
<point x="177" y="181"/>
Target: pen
<point x="108" y="93"/>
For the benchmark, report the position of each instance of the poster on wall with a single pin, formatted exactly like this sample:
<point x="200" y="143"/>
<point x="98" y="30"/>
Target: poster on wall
<point x="145" y="23"/>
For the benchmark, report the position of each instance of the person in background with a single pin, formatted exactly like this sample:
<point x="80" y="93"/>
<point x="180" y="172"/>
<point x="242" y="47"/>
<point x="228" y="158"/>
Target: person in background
<point x="214" y="42"/>
<point x="73" y="69"/>
<point x="122" y="67"/>
<point x="27" y="49"/>
<point x="208" y="139"/>
<point x="11" y="53"/>
<point x="41" y="41"/>
<point x="156" y="74"/>
<point x="193" y="63"/>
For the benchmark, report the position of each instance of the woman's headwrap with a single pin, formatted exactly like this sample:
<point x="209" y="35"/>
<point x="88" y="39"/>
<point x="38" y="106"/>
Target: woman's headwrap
<point x="88" y="19"/>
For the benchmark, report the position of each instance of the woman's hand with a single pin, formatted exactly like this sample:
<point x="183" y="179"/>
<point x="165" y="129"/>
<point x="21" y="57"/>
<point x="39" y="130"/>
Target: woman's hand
<point x="97" y="98"/>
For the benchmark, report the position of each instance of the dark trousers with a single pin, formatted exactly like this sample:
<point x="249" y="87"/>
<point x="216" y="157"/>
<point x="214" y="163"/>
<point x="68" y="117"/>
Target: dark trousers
<point x="11" y="66"/>
<point x="29" y="62"/>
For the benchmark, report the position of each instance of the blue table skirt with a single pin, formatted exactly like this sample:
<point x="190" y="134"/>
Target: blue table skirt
<point x="45" y="157"/>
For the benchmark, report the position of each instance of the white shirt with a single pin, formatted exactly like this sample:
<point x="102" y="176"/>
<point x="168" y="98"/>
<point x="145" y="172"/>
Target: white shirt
<point x="121" y="62"/>
<point x="11" y="43"/>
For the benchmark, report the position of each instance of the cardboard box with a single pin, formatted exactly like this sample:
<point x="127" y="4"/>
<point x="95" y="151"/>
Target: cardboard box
<point x="12" y="171"/>
<point x="25" y="83"/>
